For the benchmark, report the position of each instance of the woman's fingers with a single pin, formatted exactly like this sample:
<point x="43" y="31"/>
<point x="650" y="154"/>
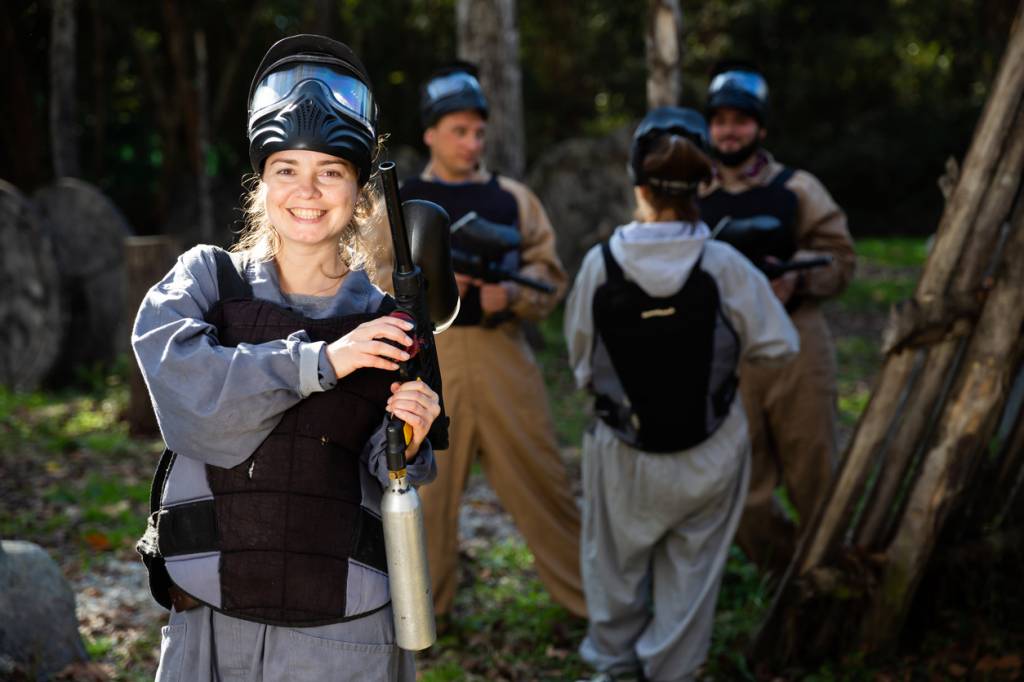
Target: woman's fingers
<point x="385" y="350"/>
<point x="383" y="328"/>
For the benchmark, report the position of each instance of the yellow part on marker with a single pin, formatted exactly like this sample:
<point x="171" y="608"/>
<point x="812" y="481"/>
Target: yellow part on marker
<point x="406" y="429"/>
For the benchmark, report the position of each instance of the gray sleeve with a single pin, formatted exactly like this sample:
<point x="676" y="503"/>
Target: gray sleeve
<point x="579" y="315"/>
<point x="422" y="469"/>
<point x="214" y="403"/>
<point x="766" y="333"/>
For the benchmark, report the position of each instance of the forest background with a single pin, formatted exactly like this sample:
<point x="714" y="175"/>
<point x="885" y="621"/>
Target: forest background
<point x="872" y="96"/>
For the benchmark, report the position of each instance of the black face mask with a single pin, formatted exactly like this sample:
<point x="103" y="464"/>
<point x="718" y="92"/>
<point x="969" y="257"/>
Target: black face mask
<point x="738" y="157"/>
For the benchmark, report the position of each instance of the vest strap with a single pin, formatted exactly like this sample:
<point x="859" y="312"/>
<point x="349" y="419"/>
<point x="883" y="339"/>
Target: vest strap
<point x="782" y="178"/>
<point x="231" y="282"/>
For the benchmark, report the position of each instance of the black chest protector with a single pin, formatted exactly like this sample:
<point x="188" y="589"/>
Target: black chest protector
<point x="749" y="237"/>
<point x="664" y="369"/>
<point x="288" y="519"/>
<point x="488" y="200"/>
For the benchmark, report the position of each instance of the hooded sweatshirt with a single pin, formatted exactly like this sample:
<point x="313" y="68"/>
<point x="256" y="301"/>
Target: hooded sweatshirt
<point x="659" y="258"/>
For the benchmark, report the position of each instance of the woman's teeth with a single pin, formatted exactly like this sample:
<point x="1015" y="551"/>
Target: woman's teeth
<point x="306" y="213"/>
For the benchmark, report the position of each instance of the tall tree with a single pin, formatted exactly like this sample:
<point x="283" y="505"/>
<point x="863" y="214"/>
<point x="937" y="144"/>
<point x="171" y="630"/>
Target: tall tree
<point x="63" y="103"/>
<point x="664" y="56"/>
<point x="487" y="35"/>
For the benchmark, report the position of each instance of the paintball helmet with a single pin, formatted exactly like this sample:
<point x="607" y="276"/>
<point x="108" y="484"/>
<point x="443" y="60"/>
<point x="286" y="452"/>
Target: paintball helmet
<point x="452" y="88"/>
<point x="738" y="86"/>
<point x="681" y="121"/>
<point x="311" y="92"/>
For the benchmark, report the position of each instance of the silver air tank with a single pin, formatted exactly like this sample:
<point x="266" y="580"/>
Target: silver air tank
<point x="412" y="602"/>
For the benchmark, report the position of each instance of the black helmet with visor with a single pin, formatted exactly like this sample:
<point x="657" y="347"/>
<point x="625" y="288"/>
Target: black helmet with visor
<point x="740" y="88"/>
<point x="453" y="88"/>
<point x="313" y="93"/>
<point x="681" y="121"/>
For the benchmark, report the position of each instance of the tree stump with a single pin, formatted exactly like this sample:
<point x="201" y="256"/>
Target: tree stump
<point x="147" y="260"/>
<point x="88" y="234"/>
<point x="31" y="315"/>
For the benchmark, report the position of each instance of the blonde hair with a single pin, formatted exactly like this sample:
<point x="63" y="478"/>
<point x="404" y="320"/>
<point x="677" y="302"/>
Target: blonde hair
<point x="358" y="246"/>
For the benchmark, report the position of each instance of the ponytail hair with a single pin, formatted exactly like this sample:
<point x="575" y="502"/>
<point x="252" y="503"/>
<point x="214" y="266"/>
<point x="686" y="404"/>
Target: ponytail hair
<point x="674" y="167"/>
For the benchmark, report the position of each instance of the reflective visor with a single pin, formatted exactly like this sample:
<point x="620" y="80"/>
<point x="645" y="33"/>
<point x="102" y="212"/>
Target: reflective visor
<point x="451" y="84"/>
<point x="351" y="94"/>
<point x="745" y="81"/>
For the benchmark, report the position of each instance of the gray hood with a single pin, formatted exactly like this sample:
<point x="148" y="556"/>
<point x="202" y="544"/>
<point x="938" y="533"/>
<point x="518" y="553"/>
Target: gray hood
<point x="659" y="256"/>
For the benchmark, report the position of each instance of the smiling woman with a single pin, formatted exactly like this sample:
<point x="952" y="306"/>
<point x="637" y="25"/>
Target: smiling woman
<point x="311" y="199"/>
<point x="265" y="536"/>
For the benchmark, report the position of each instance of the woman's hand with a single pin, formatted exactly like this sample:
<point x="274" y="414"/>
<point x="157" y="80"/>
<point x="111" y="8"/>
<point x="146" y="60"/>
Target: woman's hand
<point x="417" y="405"/>
<point x="362" y="346"/>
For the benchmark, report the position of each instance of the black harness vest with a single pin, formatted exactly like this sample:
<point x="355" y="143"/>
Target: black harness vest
<point x="773" y="199"/>
<point x="488" y="200"/>
<point x="672" y="361"/>
<point x="288" y="519"/>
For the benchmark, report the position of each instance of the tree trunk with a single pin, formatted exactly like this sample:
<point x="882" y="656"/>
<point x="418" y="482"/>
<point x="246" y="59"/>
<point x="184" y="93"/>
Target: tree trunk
<point x="101" y="94"/>
<point x="21" y="129"/>
<point x="203" y="142"/>
<point x="489" y="37"/>
<point x="147" y="260"/>
<point x="663" y="41"/>
<point x="63" y="105"/>
<point x="31" y="315"/>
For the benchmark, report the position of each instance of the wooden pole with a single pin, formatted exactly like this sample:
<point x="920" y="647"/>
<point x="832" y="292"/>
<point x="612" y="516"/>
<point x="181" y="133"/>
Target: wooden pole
<point x="147" y="260"/>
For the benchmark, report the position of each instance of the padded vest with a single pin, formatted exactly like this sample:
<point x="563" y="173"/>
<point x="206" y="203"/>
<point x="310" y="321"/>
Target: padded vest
<point x="490" y="201"/>
<point x="664" y="369"/>
<point x="288" y="519"/>
<point x="773" y="199"/>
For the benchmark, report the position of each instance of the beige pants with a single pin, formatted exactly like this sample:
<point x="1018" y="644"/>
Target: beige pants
<point x="495" y="396"/>
<point x="792" y="415"/>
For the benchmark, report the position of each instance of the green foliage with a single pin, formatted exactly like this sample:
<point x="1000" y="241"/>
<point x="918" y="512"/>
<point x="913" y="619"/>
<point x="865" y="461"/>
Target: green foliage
<point x="570" y="407"/>
<point x="893" y="251"/>
<point x="504" y="624"/>
<point x="742" y="604"/>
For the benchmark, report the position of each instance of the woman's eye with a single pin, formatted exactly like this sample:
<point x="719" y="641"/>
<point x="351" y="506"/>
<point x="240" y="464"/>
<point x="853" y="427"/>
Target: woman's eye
<point x="285" y="171"/>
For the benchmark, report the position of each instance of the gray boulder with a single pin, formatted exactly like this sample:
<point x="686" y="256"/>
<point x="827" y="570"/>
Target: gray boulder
<point x="585" y="188"/>
<point x="88" y="233"/>
<point x="38" y="627"/>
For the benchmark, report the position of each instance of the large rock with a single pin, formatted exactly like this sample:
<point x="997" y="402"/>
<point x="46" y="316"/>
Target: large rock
<point x="38" y="628"/>
<point x="88" y="233"/>
<point x="584" y="185"/>
<point x="31" y="317"/>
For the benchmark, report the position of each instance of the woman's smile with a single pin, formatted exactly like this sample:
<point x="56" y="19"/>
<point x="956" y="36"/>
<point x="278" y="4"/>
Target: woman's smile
<point x="307" y="215"/>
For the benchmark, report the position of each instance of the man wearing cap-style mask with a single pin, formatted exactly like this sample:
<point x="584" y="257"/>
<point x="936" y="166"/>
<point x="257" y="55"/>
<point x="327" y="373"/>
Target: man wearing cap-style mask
<point x="494" y="390"/>
<point x="773" y="212"/>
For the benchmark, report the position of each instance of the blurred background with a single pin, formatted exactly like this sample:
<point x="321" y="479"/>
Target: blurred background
<point x="872" y="96"/>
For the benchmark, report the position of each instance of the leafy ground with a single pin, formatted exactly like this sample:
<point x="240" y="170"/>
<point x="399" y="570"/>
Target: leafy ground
<point x="74" y="481"/>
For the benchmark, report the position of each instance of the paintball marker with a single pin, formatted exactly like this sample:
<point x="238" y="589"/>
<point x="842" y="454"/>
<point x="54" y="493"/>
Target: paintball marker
<point x="425" y="296"/>
<point x="763" y="241"/>
<point x="483" y="244"/>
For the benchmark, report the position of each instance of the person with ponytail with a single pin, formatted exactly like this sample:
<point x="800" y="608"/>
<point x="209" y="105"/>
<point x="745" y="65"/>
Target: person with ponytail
<point x="272" y="373"/>
<point x="657" y="323"/>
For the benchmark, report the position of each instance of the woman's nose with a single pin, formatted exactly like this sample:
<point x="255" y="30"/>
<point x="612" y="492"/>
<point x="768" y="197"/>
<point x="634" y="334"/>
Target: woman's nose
<point x="308" y="187"/>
